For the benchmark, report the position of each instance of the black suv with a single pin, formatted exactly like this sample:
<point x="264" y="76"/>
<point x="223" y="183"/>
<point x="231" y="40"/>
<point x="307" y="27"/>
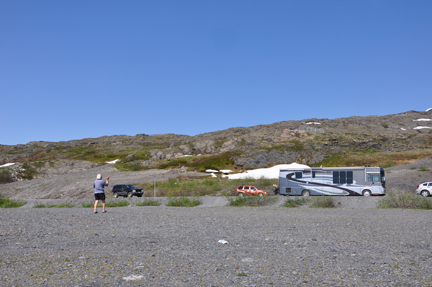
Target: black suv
<point x="126" y="190"/>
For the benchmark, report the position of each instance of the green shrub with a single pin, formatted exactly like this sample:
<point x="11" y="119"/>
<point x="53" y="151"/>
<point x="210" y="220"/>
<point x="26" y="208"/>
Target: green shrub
<point x="117" y="203"/>
<point x="251" y="200"/>
<point x="404" y="199"/>
<point x="130" y="167"/>
<point x="67" y="204"/>
<point x="148" y="202"/>
<point x="28" y="171"/>
<point x="5" y="175"/>
<point x="296" y="202"/>
<point x="322" y="201"/>
<point x="37" y="204"/>
<point x="88" y="204"/>
<point x="183" y="201"/>
<point x="10" y="203"/>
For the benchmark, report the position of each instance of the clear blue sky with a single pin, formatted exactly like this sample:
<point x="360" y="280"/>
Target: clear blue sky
<point x="78" y="69"/>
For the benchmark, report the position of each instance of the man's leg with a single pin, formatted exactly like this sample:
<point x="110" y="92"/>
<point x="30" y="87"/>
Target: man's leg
<point x="103" y="205"/>
<point x="95" y="205"/>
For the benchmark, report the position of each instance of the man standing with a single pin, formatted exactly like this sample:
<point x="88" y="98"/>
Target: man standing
<point x="99" y="191"/>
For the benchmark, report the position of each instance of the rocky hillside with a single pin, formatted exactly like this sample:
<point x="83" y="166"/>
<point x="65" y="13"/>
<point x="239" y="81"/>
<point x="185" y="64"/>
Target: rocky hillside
<point x="377" y="140"/>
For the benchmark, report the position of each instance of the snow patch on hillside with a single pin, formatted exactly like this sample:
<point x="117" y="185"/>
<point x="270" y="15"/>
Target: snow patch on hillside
<point x="272" y="172"/>
<point x="7" y="164"/>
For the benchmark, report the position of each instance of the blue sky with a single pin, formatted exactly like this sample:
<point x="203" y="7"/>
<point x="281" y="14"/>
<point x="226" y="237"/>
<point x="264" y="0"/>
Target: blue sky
<point x="78" y="69"/>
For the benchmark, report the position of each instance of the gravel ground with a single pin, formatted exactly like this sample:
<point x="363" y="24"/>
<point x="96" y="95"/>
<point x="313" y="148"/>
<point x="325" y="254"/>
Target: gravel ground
<point x="172" y="246"/>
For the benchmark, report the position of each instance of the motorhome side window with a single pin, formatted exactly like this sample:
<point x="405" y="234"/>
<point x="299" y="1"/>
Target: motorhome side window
<point x="342" y="177"/>
<point x="299" y="174"/>
<point x="373" y="177"/>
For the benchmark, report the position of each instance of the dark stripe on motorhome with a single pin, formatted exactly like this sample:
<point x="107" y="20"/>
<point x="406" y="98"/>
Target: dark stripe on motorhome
<point x="290" y="175"/>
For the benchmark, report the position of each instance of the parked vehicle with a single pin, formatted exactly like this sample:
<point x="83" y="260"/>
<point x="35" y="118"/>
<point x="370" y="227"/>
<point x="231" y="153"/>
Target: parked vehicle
<point x="243" y="190"/>
<point x="126" y="190"/>
<point x="364" y="181"/>
<point x="424" y="189"/>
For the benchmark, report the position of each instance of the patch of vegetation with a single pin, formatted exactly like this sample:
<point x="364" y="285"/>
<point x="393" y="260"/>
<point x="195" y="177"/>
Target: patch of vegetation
<point x="89" y="204"/>
<point x="67" y="204"/>
<point x="116" y="203"/>
<point x="373" y="158"/>
<point x="296" y="202"/>
<point x="404" y="199"/>
<point x="129" y="167"/>
<point x="423" y="169"/>
<point x="175" y="163"/>
<point x="183" y="201"/>
<point x="251" y="200"/>
<point x="10" y="203"/>
<point x="28" y="171"/>
<point x="201" y="163"/>
<point x="64" y="205"/>
<point x="207" y="186"/>
<point x="37" y="204"/>
<point x="148" y="202"/>
<point x="297" y="145"/>
<point x="5" y="175"/>
<point x="322" y="202"/>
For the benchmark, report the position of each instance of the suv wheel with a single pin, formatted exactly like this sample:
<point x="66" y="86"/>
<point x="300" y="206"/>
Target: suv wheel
<point x="129" y="194"/>
<point x="115" y="195"/>
<point x="241" y="194"/>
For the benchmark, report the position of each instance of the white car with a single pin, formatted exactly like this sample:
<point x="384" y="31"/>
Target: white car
<point x="424" y="189"/>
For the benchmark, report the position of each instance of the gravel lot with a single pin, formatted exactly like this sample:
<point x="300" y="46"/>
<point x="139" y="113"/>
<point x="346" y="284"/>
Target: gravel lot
<point x="355" y="244"/>
<point x="172" y="246"/>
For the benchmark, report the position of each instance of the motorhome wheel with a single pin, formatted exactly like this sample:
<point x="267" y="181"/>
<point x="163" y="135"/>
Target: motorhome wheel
<point x="306" y="192"/>
<point x="367" y="193"/>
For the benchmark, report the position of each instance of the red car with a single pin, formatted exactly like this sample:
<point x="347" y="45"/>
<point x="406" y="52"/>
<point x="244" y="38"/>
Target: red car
<point x="243" y="190"/>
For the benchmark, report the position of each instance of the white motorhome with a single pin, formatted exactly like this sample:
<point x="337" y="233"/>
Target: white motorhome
<point x="332" y="181"/>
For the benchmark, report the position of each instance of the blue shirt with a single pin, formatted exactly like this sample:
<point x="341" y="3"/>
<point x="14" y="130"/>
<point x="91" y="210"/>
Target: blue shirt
<point x="99" y="185"/>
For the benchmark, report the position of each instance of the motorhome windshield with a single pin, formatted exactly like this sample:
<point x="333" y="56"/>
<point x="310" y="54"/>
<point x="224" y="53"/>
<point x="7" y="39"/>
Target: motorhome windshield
<point x="382" y="173"/>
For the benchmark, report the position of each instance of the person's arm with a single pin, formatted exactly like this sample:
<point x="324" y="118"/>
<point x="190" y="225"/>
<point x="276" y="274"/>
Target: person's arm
<point x="107" y="180"/>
